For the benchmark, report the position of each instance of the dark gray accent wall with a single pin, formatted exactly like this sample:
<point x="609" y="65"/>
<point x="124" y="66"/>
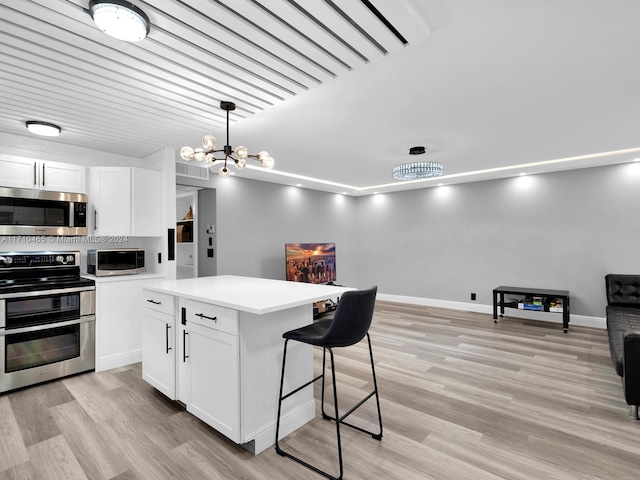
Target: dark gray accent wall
<point x="564" y="230"/>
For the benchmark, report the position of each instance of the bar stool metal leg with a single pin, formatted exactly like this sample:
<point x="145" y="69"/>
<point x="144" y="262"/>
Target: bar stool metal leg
<point x="335" y="399"/>
<point x="377" y="436"/>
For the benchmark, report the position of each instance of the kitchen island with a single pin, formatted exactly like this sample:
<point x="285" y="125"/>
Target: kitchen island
<point x="215" y="344"/>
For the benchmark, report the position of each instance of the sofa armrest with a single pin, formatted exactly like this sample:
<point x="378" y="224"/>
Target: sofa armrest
<point x="631" y="369"/>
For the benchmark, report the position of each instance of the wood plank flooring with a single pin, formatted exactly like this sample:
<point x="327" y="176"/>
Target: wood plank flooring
<point x="461" y="398"/>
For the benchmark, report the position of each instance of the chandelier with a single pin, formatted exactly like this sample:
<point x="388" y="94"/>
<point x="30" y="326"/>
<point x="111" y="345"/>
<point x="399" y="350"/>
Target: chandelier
<point x="417" y="170"/>
<point x="239" y="155"/>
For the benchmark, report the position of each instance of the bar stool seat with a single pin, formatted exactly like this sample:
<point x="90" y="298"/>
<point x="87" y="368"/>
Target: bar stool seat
<point x="349" y="325"/>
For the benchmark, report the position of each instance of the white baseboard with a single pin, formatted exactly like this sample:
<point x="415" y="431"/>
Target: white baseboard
<point x="288" y="423"/>
<point x="581" y="320"/>
<point x="119" y="360"/>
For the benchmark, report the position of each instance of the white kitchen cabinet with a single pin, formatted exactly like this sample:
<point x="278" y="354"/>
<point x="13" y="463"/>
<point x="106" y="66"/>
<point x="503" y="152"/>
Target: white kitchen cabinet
<point x="158" y="342"/>
<point x="119" y="319"/>
<point x="229" y="353"/>
<point x="19" y="172"/>
<point x="210" y="357"/>
<point x="125" y="201"/>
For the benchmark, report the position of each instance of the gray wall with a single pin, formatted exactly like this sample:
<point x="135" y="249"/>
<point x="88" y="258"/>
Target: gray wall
<point x="207" y="266"/>
<point x="564" y="230"/>
<point x="255" y="220"/>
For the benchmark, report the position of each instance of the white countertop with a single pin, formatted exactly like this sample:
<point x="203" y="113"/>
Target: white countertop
<point x="247" y="294"/>
<point x="123" y="278"/>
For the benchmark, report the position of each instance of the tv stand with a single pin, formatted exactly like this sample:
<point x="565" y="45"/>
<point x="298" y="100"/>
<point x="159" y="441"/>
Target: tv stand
<point x="500" y="292"/>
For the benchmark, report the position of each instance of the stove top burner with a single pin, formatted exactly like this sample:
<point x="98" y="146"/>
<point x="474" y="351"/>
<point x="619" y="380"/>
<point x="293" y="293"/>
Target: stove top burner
<point x="38" y="284"/>
<point x="35" y="271"/>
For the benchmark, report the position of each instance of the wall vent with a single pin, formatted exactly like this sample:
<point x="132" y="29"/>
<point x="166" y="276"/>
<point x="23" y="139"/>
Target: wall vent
<point x="191" y="171"/>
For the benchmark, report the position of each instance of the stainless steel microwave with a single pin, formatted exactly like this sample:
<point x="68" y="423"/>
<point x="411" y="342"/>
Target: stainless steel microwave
<point x="40" y="212"/>
<point x="124" y="261"/>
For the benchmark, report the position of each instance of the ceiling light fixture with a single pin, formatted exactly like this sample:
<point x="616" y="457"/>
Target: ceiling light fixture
<point x="120" y="19"/>
<point x="43" y="128"/>
<point x="417" y="170"/>
<point x="209" y="143"/>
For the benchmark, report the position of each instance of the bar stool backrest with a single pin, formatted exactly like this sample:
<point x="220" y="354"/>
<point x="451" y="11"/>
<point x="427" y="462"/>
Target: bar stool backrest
<point x="352" y="318"/>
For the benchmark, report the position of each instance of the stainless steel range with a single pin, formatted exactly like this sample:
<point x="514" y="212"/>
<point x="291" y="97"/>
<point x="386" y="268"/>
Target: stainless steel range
<point x="47" y="318"/>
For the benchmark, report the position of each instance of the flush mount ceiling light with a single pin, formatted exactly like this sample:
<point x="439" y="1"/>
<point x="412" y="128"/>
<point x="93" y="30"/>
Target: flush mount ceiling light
<point x="119" y="19"/>
<point x="207" y="153"/>
<point x="43" y="128"/>
<point x="417" y="170"/>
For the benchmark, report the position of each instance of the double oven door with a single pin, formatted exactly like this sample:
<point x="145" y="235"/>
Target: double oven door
<point x="45" y="335"/>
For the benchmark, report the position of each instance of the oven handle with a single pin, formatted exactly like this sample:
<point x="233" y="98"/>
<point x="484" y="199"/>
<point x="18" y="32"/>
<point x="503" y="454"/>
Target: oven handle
<point x="44" y="293"/>
<point x="47" y="326"/>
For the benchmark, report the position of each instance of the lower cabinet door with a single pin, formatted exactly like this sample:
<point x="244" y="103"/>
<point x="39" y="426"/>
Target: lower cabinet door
<point x="158" y="352"/>
<point x="213" y="378"/>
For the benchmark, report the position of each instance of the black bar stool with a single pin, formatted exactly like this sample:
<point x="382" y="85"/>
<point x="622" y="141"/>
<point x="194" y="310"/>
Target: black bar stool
<point x="349" y="325"/>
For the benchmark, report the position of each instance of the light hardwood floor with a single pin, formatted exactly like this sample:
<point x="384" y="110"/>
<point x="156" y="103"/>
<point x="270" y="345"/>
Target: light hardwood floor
<point x="461" y="398"/>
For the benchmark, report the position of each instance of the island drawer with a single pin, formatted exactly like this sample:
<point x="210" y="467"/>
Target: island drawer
<point x="160" y="302"/>
<point x="212" y="316"/>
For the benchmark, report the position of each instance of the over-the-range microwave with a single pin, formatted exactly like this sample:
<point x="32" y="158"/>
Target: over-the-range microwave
<point x="40" y="212"/>
<point x="123" y="261"/>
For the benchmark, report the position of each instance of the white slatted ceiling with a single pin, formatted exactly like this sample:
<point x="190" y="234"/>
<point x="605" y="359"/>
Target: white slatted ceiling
<point x="133" y="98"/>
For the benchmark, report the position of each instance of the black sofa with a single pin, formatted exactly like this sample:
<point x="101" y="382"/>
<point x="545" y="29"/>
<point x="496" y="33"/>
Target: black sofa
<point x="623" y="328"/>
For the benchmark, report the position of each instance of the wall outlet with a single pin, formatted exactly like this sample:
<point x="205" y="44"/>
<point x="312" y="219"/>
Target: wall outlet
<point x="473" y="296"/>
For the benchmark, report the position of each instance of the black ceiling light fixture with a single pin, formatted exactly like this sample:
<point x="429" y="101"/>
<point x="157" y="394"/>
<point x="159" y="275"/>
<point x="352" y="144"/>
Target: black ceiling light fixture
<point x="207" y="153"/>
<point x="417" y="170"/>
<point x="120" y="19"/>
<point x="43" y="128"/>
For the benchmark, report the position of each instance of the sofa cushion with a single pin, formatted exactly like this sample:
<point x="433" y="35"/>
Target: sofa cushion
<point x="623" y="289"/>
<point x="620" y="320"/>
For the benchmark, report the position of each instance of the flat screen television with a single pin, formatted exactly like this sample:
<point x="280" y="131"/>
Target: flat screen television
<point x="311" y="262"/>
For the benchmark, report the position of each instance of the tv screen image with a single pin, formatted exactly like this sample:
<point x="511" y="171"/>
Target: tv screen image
<point x="311" y="262"/>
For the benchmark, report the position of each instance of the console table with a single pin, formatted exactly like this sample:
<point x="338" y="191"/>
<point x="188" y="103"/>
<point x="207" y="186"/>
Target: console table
<point x="537" y="292"/>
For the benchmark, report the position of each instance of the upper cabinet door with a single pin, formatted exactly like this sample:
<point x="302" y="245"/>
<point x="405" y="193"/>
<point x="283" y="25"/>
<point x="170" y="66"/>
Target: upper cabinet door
<point x="125" y="201"/>
<point x="145" y="203"/>
<point x="110" y="200"/>
<point x="63" y="177"/>
<point x="19" y="172"/>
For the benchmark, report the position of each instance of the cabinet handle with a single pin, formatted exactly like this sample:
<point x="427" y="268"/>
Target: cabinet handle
<point x="95" y="219"/>
<point x="43" y="175"/>
<point x="167" y="335"/>
<point x="184" y="346"/>
<point x="154" y="302"/>
<point x="202" y="315"/>
<point x="35" y="173"/>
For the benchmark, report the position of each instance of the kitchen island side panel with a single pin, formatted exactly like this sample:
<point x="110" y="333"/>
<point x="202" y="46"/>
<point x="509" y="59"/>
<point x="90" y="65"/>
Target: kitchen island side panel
<point x="261" y="351"/>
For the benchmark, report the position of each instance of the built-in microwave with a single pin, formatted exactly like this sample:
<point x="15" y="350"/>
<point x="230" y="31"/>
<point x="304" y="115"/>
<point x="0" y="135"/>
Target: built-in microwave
<point x="124" y="261"/>
<point x="40" y="212"/>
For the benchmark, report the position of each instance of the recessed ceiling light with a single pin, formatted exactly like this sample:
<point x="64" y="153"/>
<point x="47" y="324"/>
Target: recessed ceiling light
<point x="43" y="128"/>
<point x="120" y="19"/>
